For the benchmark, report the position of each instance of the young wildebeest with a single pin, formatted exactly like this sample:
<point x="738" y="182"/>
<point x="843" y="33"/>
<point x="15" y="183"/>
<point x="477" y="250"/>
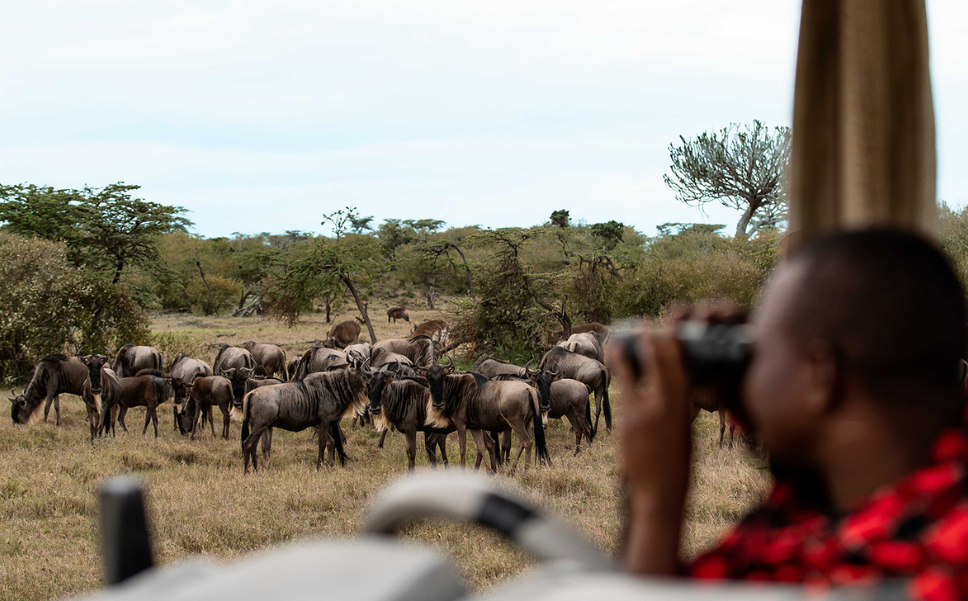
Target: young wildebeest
<point x="319" y="400"/>
<point x="397" y="312"/>
<point x="469" y="401"/>
<point x="54" y="375"/>
<point x="318" y="359"/>
<point x="131" y="359"/>
<point x="183" y="372"/>
<point x="207" y="392"/>
<point x="587" y="344"/>
<point x="271" y="358"/>
<point x="419" y="349"/>
<point x="401" y="402"/>
<point x="435" y="329"/>
<point x="586" y="370"/>
<point x="232" y="356"/>
<point x="148" y="389"/>
<point x="343" y="334"/>
<point x="92" y="388"/>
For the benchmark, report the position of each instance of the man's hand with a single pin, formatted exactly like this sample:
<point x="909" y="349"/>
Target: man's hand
<point x="655" y="443"/>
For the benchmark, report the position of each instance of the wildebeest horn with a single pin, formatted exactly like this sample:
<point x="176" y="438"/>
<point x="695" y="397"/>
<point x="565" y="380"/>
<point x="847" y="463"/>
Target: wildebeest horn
<point x="555" y="371"/>
<point x="450" y="361"/>
<point x="527" y="366"/>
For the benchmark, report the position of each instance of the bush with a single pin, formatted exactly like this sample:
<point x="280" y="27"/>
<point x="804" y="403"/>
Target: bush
<point x="225" y="294"/>
<point x="51" y="306"/>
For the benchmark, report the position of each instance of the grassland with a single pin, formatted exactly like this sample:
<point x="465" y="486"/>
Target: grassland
<point x="200" y="503"/>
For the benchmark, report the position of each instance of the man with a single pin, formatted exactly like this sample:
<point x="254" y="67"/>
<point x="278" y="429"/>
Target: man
<point x="854" y="390"/>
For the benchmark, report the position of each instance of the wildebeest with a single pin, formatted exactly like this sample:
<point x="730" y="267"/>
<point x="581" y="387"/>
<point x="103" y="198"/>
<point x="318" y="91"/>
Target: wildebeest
<point x="586" y="344"/>
<point x="490" y="367"/>
<point x="401" y="403"/>
<point x="469" y="401"/>
<point x="207" y="392"/>
<point x="149" y="388"/>
<point x="238" y="377"/>
<point x="54" y="374"/>
<point x="318" y="359"/>
<point x="91" y="393"/>
<point x="232" y="356"/>
<point x="601" y="330"/>
<point x="435" y="329"/>
<point x="343" y="334"/>
<point x="569" y="399"/>
<point x="183" y="372"/>
<point x="419" y="349"/>
<point x="709" y="402"/>
<point x="385" y="360"/>
<point x="320" y="400"/>
<point x="291" y="368"/>
<point x="585" y="370"/>
<point x="270" y="357"/>
<point x="397" y="312"/>
<point x="131" y="359"/>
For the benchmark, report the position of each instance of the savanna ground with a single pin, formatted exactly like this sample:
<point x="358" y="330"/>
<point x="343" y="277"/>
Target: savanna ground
<point x="200" y="503"/>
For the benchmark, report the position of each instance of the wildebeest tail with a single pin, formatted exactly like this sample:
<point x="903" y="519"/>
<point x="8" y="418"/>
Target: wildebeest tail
<point x="497" y="447"/>
<point x="539" y="433"/>
<point x="245" y="420"/>
<point x="588" y="418"/>
<point x="606" y="406"/>
<point x="338" y="442"/>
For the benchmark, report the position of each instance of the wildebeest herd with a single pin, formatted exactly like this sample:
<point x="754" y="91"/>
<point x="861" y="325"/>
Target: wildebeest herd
<point x="405" y="384"/>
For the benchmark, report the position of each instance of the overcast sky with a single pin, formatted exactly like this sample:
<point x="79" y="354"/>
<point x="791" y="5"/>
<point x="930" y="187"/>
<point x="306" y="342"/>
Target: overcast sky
<point x="261" y="116"/>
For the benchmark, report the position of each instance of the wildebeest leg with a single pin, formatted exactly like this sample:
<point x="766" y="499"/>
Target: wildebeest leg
<point x="430" y="441"/>
<point x="462" y="443"/>
<point x="524" y="444"/>
<point x="442" y="443"/>
<point x="198" y="414"/>
<point x="211" y="421"/>
<point x="576" y="427"/>
<point x="174" y="416"/>
<point x="411" y="449"/>
<point x="249" y="448"/>
<point x="598" y="409"/>
<point x="267" y="448"/>
<point x="722" y="426"/>
<point x="479" y="441"/>
<point x="383" y="437"/>
<point x="323" y="437"/>
<point x="225" y="421"/>
<point x="121" y="413"/>
<point x="506" y="446"/>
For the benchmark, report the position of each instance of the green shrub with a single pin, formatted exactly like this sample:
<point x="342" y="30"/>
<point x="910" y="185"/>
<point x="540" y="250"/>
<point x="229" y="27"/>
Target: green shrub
<point x="219" y="295"/>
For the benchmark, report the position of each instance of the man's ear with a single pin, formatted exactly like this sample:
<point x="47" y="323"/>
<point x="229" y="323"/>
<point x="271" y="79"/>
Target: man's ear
<point x="824" y="385"/>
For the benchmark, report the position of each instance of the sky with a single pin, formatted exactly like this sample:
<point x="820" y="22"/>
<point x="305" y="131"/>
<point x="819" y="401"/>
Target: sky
<point x="262" y="116"/>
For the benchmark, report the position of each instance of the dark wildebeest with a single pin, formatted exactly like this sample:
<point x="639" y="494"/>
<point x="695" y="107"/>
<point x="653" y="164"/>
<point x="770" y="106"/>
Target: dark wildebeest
<point x="585" y="370"/>
<point x="320" y="400"/>
<point x="183" y="372"/>
<point x="359" y="352"/>
<point x="541" y="381"/>
<point x="586" y="344"/>
<point x="569" y="399"/>
<point x="291" y="368"/>
<point x="238" y="377"/>
<point x="343" y="334"/>
<point x="419" y="349"/>
<point x="401" y="402"/>
<point x="148" y="389"/>
<point x="92" y="388"/>
<point x="207" y="392"/>
<point x="435" y="329"/>
<point x="397" y="312"/>
<point x="709" y="402"/>
<point x="469" y="401"/>
<point x="318" y="359"/>
<point x="54" y="374"/>
<point x="271" y="358"/>
<point x="232" y="356"/>
<point x="131" y="359"/>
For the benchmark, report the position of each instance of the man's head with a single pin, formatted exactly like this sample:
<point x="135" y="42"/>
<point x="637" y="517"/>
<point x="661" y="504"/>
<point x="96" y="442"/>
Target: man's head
<point x="873" y="316"/>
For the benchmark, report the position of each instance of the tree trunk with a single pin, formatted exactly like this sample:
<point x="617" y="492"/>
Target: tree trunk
<point x="470" y="281"/>
<point x="744" y="222"/>
<point x="329" y="309"/>
<point x="119" y="267"/>
<point x="361" y="306"/>
<point x="212" y="309"/>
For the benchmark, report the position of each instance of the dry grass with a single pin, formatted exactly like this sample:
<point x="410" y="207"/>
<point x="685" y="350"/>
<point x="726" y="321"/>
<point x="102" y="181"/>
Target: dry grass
<point x="199" y="502"/>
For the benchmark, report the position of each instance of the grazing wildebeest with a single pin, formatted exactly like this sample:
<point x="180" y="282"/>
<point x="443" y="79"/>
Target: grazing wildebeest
<point x="131" y="359"/>
<point x="401" y="403"/>
<point x="91" y="392"/>
<point x="232" y="356"/>
<point x="183" y="372"/>
<point x="291" y="368"/>
<point x="207" y="392"/>
<point x="419" y="349"/>
<point x="318" y="359"/>
<point x="469" y="401"/>
<point x="320" y="400"/>
<point x="435" y="329"/>
<point x="54" y="374"/>
<point x="359" y="352"/>
<point x="586" y="344"/>
<point x="343" y="334"/>
<point x="586" y="370"/>
<point x="397" y="312"/>
<point x="271" y="358"/>
<point x="490" y="367"/>
<point x="148" y="389"/>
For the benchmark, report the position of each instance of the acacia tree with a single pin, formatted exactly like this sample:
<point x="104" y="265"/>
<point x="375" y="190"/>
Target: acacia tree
<point x="740" y="166"/>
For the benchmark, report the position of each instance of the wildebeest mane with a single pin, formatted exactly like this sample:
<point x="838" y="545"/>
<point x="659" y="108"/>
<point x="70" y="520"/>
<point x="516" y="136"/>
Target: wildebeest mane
<point x="150" y="372"/>
<point x="178" y="358"/>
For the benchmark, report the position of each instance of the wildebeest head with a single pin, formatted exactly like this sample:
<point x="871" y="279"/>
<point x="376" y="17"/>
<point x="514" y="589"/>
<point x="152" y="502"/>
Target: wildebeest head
<point x="94" y="364"/>
<point x="237" y="376"/>
<point x="542" y="380"/>
<point x="378" y="382"/>
<point x="436" y="374"/>
<point x="18" y="409"/>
